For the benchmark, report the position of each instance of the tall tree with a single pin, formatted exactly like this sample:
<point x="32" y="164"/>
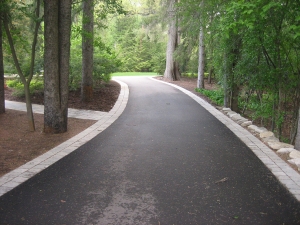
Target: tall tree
<point x="297" y="137"/>
<point x="172" y="69"/>
<point x="56" y="70"/>
<point x="25" y="79"/>
<point x="201" y="62"/>
<point x="87" y="50"/>
<point x="2" y="96"/>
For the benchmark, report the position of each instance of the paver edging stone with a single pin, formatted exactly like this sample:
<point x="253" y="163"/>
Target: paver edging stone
<point x="269" y="138"/>
<point x="291" y="179"/>
<point x="21" y="174"/>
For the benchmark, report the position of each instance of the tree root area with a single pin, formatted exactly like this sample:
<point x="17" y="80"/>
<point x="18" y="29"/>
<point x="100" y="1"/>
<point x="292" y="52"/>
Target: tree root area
<point x="18" y="145"/>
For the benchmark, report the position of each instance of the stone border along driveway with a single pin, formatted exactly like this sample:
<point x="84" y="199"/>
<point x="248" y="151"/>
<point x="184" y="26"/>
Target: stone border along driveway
<point x="282" y="171"/>
<point x="31" y="168"/>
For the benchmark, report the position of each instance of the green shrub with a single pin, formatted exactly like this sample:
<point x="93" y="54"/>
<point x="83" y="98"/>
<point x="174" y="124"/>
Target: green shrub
<point x="216" y="96"/>
<point x="14" y="83"/>
<point x="104" y="64"/>
<point x="260" y="109"/>
<point x="18" y="87"/>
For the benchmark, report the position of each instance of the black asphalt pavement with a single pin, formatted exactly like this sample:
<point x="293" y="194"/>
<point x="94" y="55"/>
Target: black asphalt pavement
<point x="165" y="161"/>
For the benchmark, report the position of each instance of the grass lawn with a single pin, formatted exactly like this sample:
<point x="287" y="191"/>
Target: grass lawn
<point x="119" y="74"/>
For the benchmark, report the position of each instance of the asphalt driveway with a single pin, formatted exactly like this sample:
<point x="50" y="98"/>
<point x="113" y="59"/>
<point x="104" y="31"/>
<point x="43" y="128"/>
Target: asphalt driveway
<point x="165" y="161"/>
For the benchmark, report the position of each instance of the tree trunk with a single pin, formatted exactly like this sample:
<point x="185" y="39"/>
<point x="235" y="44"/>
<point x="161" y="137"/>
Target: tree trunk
<point x="172" y="69"/>
<point x="56" y="70"/>
<point x="226" y="81"/>
<point x="2" y="96"/>
<point x="20" y="73"/>
<point x="231" y="87"/>
<point x="234" y="97"/>
<point x="226" y="94"/>
<point x="64" y="29"/>
<point x="29" y="110"/>
<point x="201" y="64"/>
<point x="211" y="71"/>
<point x="281" y="109"/>
<point x="211" y="53"/>
<point x="297" y="139"/>
<point x="87" y="51"/>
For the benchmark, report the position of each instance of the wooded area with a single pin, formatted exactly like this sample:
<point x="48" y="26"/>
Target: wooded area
<point x="250" y="48"/>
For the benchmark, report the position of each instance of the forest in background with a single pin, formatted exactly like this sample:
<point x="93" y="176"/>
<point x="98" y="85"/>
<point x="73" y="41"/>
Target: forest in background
<point x="250" y="48"/>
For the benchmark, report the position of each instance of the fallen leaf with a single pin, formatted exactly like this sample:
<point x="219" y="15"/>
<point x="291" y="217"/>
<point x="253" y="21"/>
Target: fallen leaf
<point x="222" y="180"/>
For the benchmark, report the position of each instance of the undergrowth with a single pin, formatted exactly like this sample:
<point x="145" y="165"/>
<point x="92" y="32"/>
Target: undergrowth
<point x="216" y="96"/>
<point x="18" y="87"/>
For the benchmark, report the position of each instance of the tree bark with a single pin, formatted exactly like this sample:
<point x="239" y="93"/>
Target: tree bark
<point x="201" y="63"/>
<point x="87" y="51"/>
<point x="2" y="95"/>
<point x="231" y="87"/>
<point x="56" y="70"/>
<point x="234" y="97"/>
<point x="64" y="29"/>
<point x="226" y="81"/>
<point x="211" y="71"/>
<point x="297" y="139"/>
<point x="211" y="52"/>
<point x="172" y="70"/>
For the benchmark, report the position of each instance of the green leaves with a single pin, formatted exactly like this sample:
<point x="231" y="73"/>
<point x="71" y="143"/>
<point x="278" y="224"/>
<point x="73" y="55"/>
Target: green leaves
<point x="217" y="96"/>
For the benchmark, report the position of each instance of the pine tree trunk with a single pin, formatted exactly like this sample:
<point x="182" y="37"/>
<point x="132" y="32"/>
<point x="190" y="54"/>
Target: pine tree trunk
<point x="64" y="28"/>
<point x="87" y="51"/>
<point x="2" y="96"/>
<point x="56" y="69"/>
<point x="201" y="64"/>
<point x="172" y="68"/>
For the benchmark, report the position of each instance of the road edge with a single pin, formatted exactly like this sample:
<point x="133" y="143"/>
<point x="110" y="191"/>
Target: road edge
<point x="21" y="174"/>
<point x="287" y="176"/>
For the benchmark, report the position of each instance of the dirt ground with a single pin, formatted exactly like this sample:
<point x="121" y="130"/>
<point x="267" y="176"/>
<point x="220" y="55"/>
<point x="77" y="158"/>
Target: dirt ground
<point x="18" y="145"/>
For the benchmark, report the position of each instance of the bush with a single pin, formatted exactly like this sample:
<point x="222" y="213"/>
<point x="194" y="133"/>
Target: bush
<point x="104" y="64"/>
<point x="216" y="96"/>
<point x="18" y="87"/>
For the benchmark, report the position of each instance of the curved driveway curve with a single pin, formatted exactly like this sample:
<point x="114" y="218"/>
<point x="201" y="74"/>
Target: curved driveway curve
<point x="165" y="160"/>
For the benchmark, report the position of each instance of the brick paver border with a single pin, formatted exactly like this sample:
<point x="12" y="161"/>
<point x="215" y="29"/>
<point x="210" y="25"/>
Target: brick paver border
<point x="28" y="170"/>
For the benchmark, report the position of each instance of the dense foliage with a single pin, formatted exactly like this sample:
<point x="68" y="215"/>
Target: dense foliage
<point x="253" y="47"/>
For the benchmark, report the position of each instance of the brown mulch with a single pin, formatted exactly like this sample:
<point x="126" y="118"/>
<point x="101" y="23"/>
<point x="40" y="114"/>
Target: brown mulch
<point x="18" y="145"/>
<point x="104" y="98"/>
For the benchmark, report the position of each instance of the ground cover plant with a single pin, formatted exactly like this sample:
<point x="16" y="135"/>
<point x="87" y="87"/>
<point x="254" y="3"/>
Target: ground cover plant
<point x="35" y="86"/>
